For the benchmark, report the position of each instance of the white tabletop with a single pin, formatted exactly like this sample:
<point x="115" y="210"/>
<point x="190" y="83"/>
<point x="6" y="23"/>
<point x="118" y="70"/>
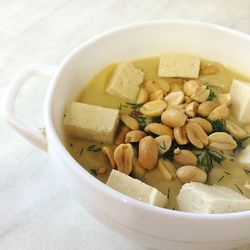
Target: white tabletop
<point x="36" y="210"/>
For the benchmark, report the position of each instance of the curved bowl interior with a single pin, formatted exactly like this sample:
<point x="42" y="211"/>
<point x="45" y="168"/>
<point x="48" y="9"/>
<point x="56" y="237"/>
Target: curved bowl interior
<point x="128" y="43"/>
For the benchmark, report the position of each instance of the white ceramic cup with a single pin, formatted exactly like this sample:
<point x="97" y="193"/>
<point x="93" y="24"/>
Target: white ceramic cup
<point x="147" y="225"/>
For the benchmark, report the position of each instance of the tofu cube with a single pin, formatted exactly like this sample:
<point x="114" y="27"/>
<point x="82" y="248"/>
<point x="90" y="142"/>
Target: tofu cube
<point x="240" y="108"/>
<point x="244" y="156"/>
<point x="91" y="122"/>
<point x="125" y="81"/>
<point x="179" y="65"/>
<point x="136" y="189"/>
<point x="201" y="198"/>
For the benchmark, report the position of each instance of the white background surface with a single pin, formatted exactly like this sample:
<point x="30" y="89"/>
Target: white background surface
<point x="36" y="210"/>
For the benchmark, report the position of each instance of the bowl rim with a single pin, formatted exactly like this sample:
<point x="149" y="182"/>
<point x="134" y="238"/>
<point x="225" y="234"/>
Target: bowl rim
<point x="79" y="170"/>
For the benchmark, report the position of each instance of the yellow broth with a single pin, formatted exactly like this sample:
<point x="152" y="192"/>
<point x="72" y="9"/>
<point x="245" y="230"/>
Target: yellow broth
<point x="230" y="173"/>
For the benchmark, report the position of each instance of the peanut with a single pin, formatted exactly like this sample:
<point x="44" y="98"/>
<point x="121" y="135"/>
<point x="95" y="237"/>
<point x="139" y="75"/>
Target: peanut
<point x="164" y="171"/>
<point x="137" y="170"/>
<point x="165" y="86"/>
<point x="180" y="135"/>
<point x="129" y="121"/>
<point x="206" y="108"/>
<point x="225" y="99"/>
<point x="102" y="170"/>
<point x="153" y="108"/>
<point x="134" y="136"/>
<point x="191" y="109"/>
<point x="235" y="130"/>
<point x="157" y="95"/>
<point x="175" y="98"/>
<point x="247" y="128"/>
<point x="110" y="155"/>
<point x="159" y="129"/>
<point x="201" y="94"/>
<point x="152" y="86"/>
<point x="123" y="156"/>
<point x="188" y="174"/>
<point x="196" y="135"/>
<point x="221" y="112"/>
<point x="176" y="85"/>
<point x="169" y="166"/>
<point x="205" y="124"/>
<point x="143" y="96"/>
<point x="221" y="141"/>
<point x="185" y="157"/>
<point x="173" y="118"/>
<point x="190" y="87"/>
<point x="148" y="153"/>
<point x="164" y="143"/>
<point x="122" y="135"/>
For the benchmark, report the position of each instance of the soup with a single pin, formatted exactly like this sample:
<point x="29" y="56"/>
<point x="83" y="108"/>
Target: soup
<point x="220" y="166"/>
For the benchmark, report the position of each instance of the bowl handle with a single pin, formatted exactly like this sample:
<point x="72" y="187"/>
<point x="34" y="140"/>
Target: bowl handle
<point x="34" y="135"/>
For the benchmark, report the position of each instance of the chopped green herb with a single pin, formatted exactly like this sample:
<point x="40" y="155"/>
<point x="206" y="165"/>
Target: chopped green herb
<point x="220" y="179"/>
<point x="219" y="126"/>
<point x="238" y="188"/>
<point x="212" y="95"/>
<point x="140" y="118"/>
<point x="247" y="171"/>
<point x="93" y="148"/>
<point x="227" y="173"/>
<point x="163" y="145"/>
<point x="240" y="144"/>
<point x="81" y="151"/>
<point x="213" y="90"/>
<point x="207" y="158"/>
<point x="93" y="172"/>
<point x="134" y="105"/>
<point x="156" y="119"/>
<point x="170" y="153"/>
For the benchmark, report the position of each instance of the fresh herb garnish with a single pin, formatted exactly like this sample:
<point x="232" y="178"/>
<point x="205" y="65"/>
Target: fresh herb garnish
<point x="220" y="179"/>
<point x="207" y="158"/>
<point x="238" y="188"/>
<point x="170" y="153"/>
<point x="140" y="118"/>
<point x="219" y="126"/>
<point x="156" y="119"/>
<point x="212" y="95"/>
<point x="93" y="148"/>
<point x="134" y="105"/>
<point x="247" y="171"/>
<point x="213" y="90"/>
<point x="93" y="172"/>
<point x="81" y="151"/>
<point x="227" y="173"/>
<point x="240" y="144"/>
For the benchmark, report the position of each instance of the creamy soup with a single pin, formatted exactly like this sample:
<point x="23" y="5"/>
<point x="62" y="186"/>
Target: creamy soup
<point x="228" y="172"/>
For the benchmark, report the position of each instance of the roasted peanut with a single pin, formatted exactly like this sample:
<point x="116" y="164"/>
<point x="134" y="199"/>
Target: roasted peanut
<point x="159" y="129"/>
<point x="247" y="128"/>
<point x="173" y="118"/>
<point x="222" y="141"/>
<point x="174" y="98"/>
<point x="190" y="87"/>
<point x="180" y="135"/>
<point x="235" y="130"/>
<point x="137" y="170"/>
<point x="134" y="136"/>
<point x="209" y="70"/>
<point x="176" y="85"/>
<point x="188" y="174"/>
<point x="196" y="135"/>
<point x="221" y="112"/>
<point x="224" y="99"/>
<point x="206" y="108"/>
<point x="123" y="156"/>
<point x="110" y="155"/>
<point x="157" y="95"/>
<point x="152" y="86"/>
<point x="148" y="153"/>
<point x="153" y="108"/>
<point x="205" y="124"/>
<point x="185" y="157"/>
<point x="191" y="109"/>
<point x="164" y="171"/>
<point x="143" y="96"/>
<point x="165" y="86"/>
<point x="129" y="121"/>
<point x="102" y="170"/>
<point x="187" y="99"/>
<point x="201" y="94"/>
<point x="169" y="166"/>
<point x="122" y="135"/>
<point x="164" y="143"/>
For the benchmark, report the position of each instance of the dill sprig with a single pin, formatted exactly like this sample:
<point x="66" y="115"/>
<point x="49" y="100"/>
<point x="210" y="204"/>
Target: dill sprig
<point x="93" y="148"/>
<point x="213" y="90"/>
<point x="212" y="95"/>
<point x="207" y="158"/>
<point x="240" y="144"/>
<point x="134" y="105"/>
<point x="219" y="126"/>
<point x="238" y="188"/>
<point x="140" y="118"/>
